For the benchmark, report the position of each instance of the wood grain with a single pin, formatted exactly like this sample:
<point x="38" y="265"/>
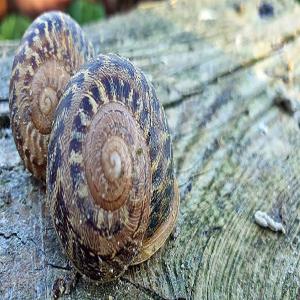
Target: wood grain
<point x="217" y="72"/>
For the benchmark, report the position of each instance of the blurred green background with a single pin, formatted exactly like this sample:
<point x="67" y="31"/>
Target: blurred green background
<point x="17" y="15"/>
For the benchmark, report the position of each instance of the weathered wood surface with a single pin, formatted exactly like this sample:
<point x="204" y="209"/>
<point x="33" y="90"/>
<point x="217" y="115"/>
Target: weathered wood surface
<point x="217" y="67"/>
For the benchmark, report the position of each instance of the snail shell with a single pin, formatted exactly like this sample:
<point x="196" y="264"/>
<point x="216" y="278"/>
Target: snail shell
<point x="51" y="51"/>
<point x="110" y="179"/>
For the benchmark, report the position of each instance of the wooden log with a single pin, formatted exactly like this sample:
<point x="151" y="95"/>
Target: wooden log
<point x="217" y="66"/>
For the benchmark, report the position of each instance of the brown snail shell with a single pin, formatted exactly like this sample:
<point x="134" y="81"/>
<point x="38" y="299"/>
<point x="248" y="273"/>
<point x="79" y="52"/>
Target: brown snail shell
<point x="110" y="178"/>
<point x="51" y="51"/>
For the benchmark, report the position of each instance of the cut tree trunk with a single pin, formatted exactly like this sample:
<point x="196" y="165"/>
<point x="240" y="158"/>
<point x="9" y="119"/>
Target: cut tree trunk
<point x="227" y="74"/>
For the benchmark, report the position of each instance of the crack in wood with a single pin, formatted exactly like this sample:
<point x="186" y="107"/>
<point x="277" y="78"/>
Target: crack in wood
<point x="243" y="66"/>
<point x="145" y="290"/>
<point x="65" y="268"/>
<point x="12" y="235"/>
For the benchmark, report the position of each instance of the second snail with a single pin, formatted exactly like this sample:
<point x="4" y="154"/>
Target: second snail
<point x="52" y="49"/>
<point x="110" y="176"/>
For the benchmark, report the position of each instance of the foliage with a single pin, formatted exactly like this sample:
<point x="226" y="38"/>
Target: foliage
<point x="84" y="11"/>
<point x="13" y="26"/>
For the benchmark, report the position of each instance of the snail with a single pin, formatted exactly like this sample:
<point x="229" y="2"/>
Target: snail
<point x="51" y="51"/>
<point x="111" y="186"/>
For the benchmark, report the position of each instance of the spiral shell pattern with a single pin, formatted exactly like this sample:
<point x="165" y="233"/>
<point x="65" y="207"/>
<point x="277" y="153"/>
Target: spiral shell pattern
<point x="110" y="177"/>
<point x="51" y="51"/>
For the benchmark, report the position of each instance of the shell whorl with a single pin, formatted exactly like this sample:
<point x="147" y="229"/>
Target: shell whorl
<point x="110" y="173"/>
<point x="115" y="158"/>
<point x="47" y="87"/>
<point x="51" y="51"/>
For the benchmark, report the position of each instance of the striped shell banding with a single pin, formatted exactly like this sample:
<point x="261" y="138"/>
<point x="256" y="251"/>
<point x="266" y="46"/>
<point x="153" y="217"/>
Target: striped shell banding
<point x="110" y="179"/>
<point x="51" y="51"/>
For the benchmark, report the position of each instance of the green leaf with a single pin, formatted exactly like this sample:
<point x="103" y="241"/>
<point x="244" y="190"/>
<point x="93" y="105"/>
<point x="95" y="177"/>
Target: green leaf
<point x="84" y="11"/>
<point x="13" y="27"/>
